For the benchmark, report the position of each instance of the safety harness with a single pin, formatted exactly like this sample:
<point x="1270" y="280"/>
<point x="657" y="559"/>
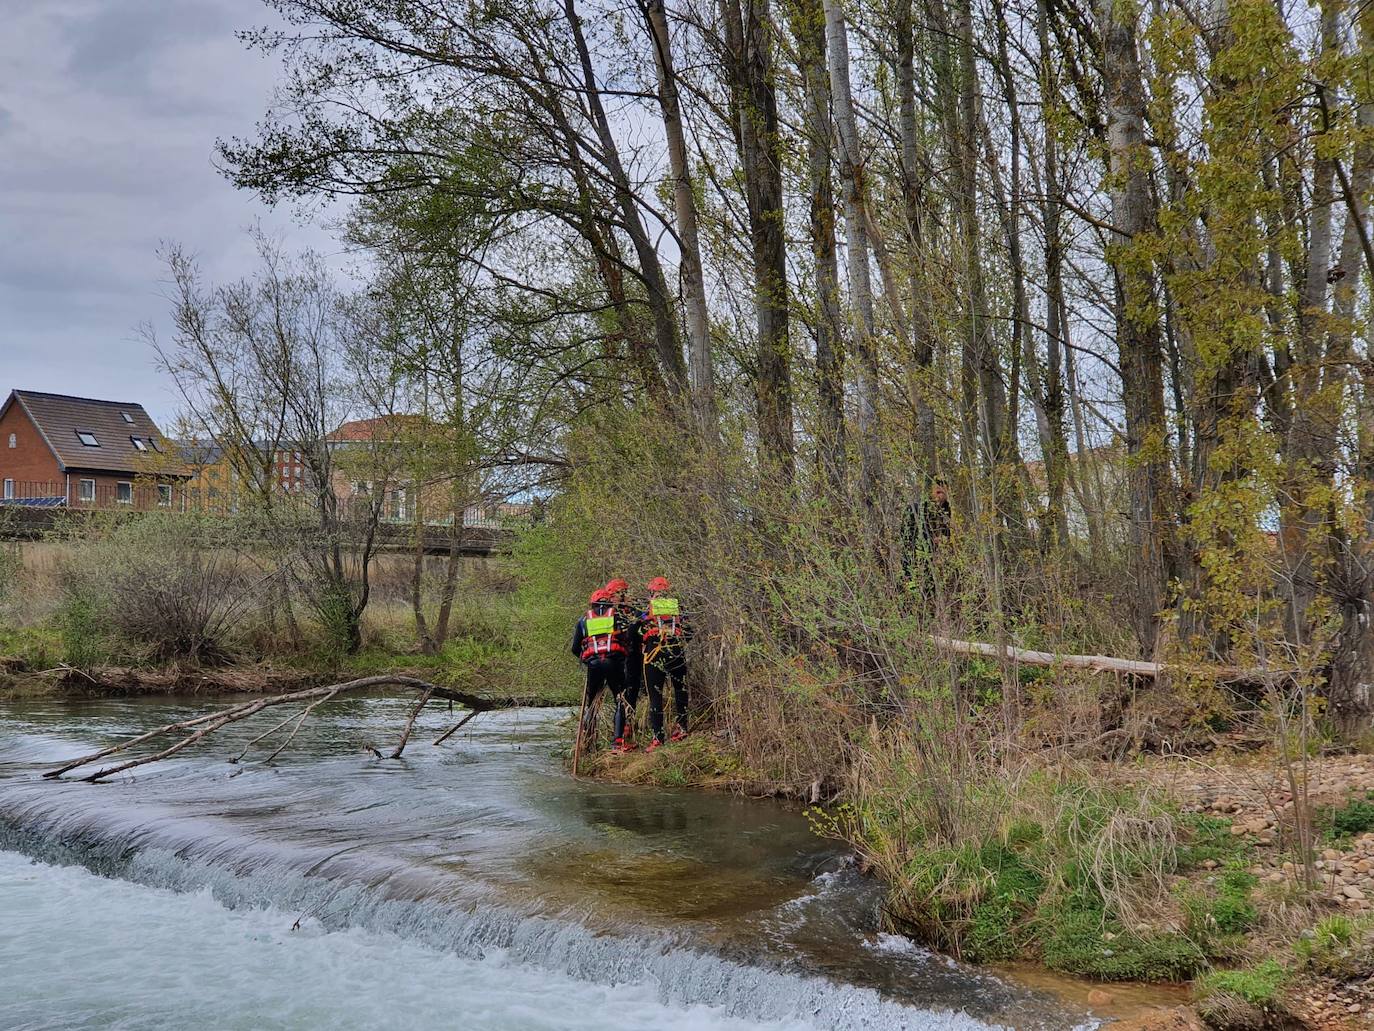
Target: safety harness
<point x="601" y="638"/>
<point x="664" y="618"/>
<point x="662" y="627"/>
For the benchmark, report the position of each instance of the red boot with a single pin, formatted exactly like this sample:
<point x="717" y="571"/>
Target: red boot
<point x="678" y="734"/>
<point x="655" y="743"/>
<point x="622" y="747"/>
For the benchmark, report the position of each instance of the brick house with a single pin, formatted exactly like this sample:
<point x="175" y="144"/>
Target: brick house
<point x="82" y="453"/>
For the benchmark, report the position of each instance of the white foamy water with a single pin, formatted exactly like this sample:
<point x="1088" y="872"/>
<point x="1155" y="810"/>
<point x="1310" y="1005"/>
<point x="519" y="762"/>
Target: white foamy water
<point x="78" y="951"/>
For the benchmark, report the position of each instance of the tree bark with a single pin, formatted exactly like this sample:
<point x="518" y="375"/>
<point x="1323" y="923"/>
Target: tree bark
<point x="1152" y="508"/>
<point x="699" y="363"/>
<point x="857" y="244"/>
<point x="922" y="351"/>
<point x="750" y="71"/>
<point x="808" y="26"/>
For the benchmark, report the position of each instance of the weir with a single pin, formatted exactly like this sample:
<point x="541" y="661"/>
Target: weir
<point x="484" y="847"/>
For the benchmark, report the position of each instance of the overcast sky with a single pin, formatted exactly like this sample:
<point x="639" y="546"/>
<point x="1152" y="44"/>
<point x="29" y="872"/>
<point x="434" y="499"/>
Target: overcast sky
<point x="109" y="110"/>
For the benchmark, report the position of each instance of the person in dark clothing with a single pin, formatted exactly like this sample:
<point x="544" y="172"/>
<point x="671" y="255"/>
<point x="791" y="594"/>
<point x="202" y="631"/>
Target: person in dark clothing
<point x="925" y="528"/>
<point x="598" y="641"/>
<point x="633" y="680"/>
<point x="664" y="631"/>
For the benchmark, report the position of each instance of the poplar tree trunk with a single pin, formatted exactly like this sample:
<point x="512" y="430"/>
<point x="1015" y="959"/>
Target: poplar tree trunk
<point x="1057" y="469"/>
<point x="808" y="26"/>
<point x="1152" y="508"/>
<point x="699" y="362"/>
<point x="1310" y="451"/>
<point x="1352" y="668"/>
<point x="750" y="72"/>
<point x="919" y="383"/>
<point x="856" y="238"/>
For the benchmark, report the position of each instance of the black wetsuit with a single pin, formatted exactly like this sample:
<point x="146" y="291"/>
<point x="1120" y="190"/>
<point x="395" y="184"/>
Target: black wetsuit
<point x="665" y="663"/>
<point x="603" y="671"/>
<point x="633" y="681"/>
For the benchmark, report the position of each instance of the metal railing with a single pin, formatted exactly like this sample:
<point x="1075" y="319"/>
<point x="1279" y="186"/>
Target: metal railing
<point x="86" y="492"/>
<point x="145" y="495"/>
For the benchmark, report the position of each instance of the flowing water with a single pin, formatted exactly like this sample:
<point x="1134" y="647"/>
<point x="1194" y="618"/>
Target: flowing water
<point x="469" y="885"/>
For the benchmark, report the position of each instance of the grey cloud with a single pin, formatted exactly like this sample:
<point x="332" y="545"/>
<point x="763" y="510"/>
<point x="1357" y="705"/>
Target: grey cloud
<point x="109" y="111"/>
<point x="117" y="46"/>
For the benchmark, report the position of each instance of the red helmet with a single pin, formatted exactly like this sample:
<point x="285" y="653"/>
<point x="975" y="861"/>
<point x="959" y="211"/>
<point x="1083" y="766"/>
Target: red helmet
<point x="660" y="583"/>
<point x="598" y="595"/>
<point x="616" y="586"/>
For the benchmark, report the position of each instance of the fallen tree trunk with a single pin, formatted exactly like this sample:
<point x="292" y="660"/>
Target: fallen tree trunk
<point x="195" y="729"/>
<point x="1104" y="663"/>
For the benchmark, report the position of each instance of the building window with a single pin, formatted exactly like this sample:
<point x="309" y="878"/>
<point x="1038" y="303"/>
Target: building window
<point x="14" y="441"/>
<point x="86" y="490"/>
<point x="164" y="495"/>
<point x="124" y="492"/>
<point x="138" y="444"/>
<point x="87" y="438"/>
<point x="127" y="417"/>
<point x="9" y="490"/>
<point x="152" y="443"/>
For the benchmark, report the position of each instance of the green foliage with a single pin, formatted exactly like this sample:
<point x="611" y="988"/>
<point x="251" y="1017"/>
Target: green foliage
<point x="1210" y="837"/>
<point x="333" y="607"/>
<point x="85" y="635"/>
<point x="1352" y="819"/>
<point x="998" y="928"/>
<point x="1080" y="937"/>
<point x="38" y="646"/>
<point x="1220" y="911"/>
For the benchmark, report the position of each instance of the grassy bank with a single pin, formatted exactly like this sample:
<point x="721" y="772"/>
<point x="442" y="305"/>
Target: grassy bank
<point x="1160" y="870"/>
<point x="176" y="606"/>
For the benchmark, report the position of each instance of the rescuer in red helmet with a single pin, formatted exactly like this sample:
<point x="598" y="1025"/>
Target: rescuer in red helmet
<point x="633" y="678"/>
<point x="663" y="633"/>
<point x="599" y="642"/>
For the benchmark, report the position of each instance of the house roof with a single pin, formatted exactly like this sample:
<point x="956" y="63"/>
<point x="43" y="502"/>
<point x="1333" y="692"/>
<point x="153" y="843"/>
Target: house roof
<point x="199" y="452"/>
<point x="382" y="428"/>
<point x="113" y="424"/>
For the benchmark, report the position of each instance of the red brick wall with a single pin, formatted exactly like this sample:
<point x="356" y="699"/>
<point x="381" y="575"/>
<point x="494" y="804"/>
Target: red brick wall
<point x="30" y="460"/>
<point x="145" y="492"/>
<point x="35" y="470"/>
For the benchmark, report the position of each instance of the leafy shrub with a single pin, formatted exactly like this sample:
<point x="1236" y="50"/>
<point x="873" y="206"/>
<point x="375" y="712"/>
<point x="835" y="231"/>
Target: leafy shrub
<point x="155" y="587"/>
<point x="1221" y="910"/>
<point x="1354" y="818"/>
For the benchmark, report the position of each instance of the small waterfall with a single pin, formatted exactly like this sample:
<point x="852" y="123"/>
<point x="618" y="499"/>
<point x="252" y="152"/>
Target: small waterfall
<point x="680" y="974"/>
<point x="486" y="850"/>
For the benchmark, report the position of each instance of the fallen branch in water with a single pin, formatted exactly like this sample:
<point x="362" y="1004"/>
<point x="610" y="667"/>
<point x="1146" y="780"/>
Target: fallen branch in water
<point x="199" y="727"/>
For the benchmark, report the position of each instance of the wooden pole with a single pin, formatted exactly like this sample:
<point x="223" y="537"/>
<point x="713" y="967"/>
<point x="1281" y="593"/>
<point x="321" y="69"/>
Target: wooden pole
<point x="581" y="722"/>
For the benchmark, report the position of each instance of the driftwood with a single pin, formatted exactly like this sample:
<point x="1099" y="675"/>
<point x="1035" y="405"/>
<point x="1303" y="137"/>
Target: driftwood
<point x="199" y="727"/>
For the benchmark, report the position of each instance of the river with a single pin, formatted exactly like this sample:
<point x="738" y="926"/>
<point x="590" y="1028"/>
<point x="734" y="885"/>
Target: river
<point x="470" y="885"/>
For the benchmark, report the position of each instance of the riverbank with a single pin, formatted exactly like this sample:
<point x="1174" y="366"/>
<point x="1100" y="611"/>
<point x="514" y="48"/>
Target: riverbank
<point x="1165" y="869"/>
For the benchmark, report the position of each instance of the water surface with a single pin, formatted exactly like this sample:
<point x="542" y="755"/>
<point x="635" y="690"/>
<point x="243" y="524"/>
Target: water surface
<point x="469" y="885"/>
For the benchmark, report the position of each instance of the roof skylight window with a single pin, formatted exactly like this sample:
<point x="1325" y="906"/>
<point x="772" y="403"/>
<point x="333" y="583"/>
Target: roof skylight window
<point x="138" y="443"/>
<point x="87" y="438"/>
<point x="127" y="417"/>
